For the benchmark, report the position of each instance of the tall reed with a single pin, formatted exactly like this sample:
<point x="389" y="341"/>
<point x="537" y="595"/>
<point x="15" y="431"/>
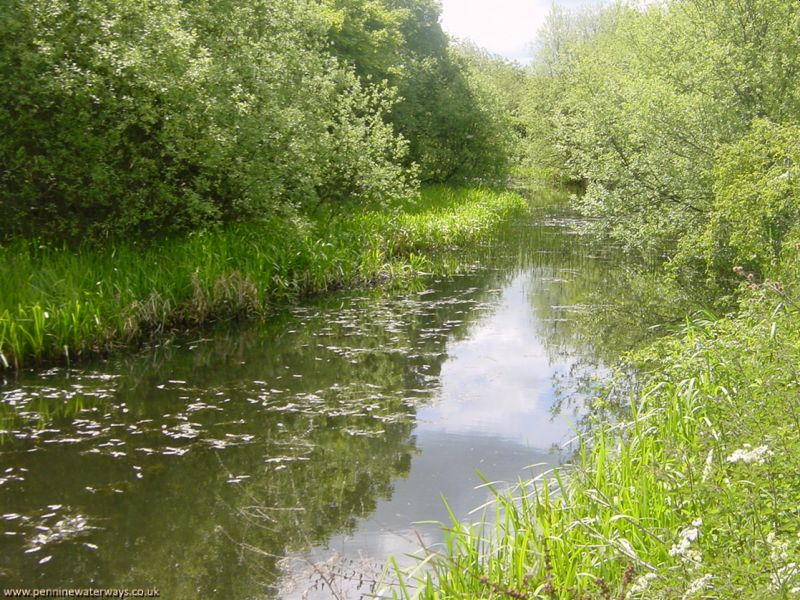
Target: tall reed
<point x="58" y="303"/>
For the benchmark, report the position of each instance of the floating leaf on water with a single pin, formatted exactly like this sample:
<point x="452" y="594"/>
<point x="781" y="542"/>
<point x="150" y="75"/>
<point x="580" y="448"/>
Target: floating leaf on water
<point x="170" y="451"/>
<point x="238" y="478"/>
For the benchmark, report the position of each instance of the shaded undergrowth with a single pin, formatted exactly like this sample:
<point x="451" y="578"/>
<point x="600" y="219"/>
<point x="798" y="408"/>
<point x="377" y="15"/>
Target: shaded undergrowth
<point x="59" y="303"/>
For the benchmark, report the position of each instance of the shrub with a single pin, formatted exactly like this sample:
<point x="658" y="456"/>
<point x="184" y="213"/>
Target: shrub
<point x="135" y="115"/>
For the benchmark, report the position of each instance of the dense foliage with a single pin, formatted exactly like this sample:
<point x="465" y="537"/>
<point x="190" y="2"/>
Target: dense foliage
<point x="692" y="495"/>
<point x="122" y="116"/>
<point x="446" y="109"/>
<point x="674" y="116"/>
<point x="681" y="121"/>
<point x="139" y="117"/>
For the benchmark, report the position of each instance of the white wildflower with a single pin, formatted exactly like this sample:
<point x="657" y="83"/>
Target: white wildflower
<point x="778" y="549"/>
<point x="641" y="583"/>
<point x="697" y="585"/>
<point x="693" y="558"/>
<point x="784" y="575"/>
<point x="683" y="547"/>
<point x="709" y="465"/>
<point x="749" y="455"/>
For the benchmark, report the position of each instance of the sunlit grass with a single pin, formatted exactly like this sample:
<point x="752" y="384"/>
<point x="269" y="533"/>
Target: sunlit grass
<point x="57" y="303"/>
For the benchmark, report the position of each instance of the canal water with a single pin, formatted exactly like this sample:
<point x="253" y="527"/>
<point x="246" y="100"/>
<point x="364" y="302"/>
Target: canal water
<point x="291" y="459"/>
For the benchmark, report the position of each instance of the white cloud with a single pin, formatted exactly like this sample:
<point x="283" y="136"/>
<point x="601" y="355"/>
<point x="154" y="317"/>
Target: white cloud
<point x="498" y="382"/>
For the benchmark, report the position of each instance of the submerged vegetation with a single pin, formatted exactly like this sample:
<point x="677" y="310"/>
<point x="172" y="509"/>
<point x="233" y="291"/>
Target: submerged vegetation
<point x="61" y="303"/>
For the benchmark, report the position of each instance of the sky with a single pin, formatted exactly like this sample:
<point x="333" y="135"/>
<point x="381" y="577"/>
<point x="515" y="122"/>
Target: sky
<point x="504" y="27"/>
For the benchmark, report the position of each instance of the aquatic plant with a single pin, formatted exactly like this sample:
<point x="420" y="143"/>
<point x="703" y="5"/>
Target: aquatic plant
<point x="58" y="304"/>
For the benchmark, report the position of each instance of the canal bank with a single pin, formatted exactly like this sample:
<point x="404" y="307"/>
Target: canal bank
<point x="59" y="304"/>
<point x="202" y="465"/>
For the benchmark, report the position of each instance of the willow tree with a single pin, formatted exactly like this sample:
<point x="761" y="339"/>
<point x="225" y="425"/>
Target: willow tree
<point x="646" y="98"/>
<point x="132" y="116"/>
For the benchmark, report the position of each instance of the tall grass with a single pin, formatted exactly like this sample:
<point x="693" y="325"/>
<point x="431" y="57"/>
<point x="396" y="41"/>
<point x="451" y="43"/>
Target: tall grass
<point x="696" y="495"/>
<point x="57" y="303"/>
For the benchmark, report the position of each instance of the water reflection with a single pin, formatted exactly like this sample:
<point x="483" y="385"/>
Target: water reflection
<point x="498" y="381"/>
<point x="198" y="467"/>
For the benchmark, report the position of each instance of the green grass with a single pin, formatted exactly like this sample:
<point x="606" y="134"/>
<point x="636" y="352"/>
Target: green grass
<point x="695" y="495"/>
<point x="58" y="304"/>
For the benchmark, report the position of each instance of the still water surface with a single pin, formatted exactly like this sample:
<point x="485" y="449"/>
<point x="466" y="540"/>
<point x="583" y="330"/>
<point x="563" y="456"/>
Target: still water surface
<point x="245" y="463"/>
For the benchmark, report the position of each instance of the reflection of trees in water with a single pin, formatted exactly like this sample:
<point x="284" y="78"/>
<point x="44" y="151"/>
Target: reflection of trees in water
<point x="292" y="430"/>
<point x="228" y="537"/>
<point x="331" y="461"/>
<point x="593" y="304"/>
<point x="233" y="451"/>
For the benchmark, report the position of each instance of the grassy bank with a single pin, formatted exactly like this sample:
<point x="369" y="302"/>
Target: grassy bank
<point x="696" y="495"/>
<point x="56" y="304"/>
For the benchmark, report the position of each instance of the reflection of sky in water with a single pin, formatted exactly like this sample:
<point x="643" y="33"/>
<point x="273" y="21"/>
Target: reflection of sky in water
<point x="355" y="414"/>
<point x="498" y="382"/>
<point x="448" y="466"/>
<point x="492" y="418"/>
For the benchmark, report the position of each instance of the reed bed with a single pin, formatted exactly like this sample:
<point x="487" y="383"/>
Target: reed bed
<point x="57" y="304"/>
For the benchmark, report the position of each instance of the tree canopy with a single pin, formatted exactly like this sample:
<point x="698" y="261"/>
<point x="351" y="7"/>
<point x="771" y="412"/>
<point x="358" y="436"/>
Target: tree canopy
<point x="141" y="117"/>
<point x="679" y="119"/>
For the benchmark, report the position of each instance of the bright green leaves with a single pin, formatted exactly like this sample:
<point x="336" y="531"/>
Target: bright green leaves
<point x="368" y="35"/>
<point x="756" y="191"/>
<point x="640" y="100"/>
<point x="455" y="129"/>
<point x="144" y="117"/>
<point x="149" y="118"/>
